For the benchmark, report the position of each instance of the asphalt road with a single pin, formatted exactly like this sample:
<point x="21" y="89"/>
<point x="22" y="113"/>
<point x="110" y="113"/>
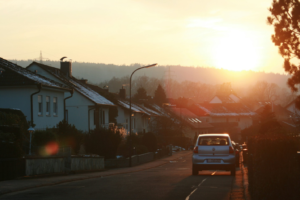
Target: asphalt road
<point x="172" y="181"/>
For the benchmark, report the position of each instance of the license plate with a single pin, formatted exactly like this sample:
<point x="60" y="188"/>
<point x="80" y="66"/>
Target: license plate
<point x="213" y="161"/>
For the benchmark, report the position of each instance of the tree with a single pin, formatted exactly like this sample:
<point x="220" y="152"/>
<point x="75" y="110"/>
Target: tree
<point x="268" y="121"/>
<point x="265" y="92"/>
<point x="285" y="17"/>
<point x="141" y="94"/>
<point x="160" y="95"/>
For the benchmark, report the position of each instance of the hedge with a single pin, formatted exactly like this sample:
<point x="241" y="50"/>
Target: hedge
<point x="273" y="168"/>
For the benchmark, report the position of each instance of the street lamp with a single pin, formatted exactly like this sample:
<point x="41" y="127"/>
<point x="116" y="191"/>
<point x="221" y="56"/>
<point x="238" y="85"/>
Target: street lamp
<point x="30" y="130"/>
<point x="130" y="140"/>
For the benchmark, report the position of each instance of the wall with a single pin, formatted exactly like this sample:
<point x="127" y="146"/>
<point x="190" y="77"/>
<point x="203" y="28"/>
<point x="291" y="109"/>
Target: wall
<point x="19" y="97"/>
<point x="135" y="160"/>
<point x="77" y="107"/>
<point x="82" y="164"/>
<point x="38" y="166"/>
<point x="123" y="115"/>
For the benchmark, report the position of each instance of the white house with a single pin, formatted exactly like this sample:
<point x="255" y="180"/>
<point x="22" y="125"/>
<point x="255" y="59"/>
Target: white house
<point x="140" y="117"/>
<point x="292" y="108"/>
<point x="85" y="108"/>
<point x="39" y="98"/>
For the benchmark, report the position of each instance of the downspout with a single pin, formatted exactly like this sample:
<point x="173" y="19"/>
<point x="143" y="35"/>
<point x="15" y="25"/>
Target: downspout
<point x="72" y="91"/>
<point x="89" y="118"/>
<point x="31" y="102"/>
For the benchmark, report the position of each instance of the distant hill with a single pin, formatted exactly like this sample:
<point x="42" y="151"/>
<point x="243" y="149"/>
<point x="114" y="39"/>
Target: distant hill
<point x="99" y="72"/>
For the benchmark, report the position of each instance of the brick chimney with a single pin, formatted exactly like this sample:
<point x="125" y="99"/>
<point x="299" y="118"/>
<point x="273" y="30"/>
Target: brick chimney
<point x="83" y="81"/>
<point x="122" y="93"/>
<point x="66" y="68"/>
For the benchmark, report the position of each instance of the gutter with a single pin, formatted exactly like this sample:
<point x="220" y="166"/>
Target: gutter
<point x="31" y="102"/>
<point x="72" y="91"/>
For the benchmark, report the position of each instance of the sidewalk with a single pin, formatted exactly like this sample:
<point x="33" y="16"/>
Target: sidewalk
<point x="29" y="183"/>
<point x="244" y="170"/>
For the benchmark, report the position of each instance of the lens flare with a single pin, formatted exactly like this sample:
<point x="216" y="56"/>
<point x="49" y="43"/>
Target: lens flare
<point x="51" y="148"/>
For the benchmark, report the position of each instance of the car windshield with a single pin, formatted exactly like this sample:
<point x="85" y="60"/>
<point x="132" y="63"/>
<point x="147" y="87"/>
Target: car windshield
<point x="213" y="140"/>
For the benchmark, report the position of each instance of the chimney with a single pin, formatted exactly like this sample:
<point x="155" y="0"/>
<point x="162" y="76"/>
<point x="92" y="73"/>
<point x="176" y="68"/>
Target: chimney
<point x="66" y="68"/>
<point x="122" y="93"/>
<point x="83" y="81"/>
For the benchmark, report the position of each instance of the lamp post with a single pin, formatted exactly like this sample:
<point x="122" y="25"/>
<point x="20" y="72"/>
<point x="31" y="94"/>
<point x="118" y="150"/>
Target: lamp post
<point x="130" y="140"/>
<point x="30" y="130"/>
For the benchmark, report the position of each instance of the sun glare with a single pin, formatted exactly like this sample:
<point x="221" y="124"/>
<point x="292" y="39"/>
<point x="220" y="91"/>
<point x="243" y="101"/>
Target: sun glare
<point x="236" y="51"/>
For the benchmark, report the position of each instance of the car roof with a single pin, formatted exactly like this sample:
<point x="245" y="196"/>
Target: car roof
<point x="214" y="134"/>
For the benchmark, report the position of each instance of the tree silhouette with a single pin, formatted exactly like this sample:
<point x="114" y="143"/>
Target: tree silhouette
<point x="141" y="94"/>
<point x="268" y="121"/>
<point x="160" y="95"/>
<point x="285" y="17"/>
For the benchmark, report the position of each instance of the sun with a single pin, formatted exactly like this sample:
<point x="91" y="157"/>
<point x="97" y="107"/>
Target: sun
<point x="236" y="51"/>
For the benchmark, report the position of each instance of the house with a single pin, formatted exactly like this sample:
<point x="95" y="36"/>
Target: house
<point x="39" y="98"/>
<point x="85" y="108"/>
<point x="292" y="108"/>
<point x="141" y="116"/>
<point x="228" y="114"/>
<point x="191" y="124"/>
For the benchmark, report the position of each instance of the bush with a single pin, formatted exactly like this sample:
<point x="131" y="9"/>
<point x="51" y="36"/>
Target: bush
<point x="68" y="135"/>
<point x="273" y="168"/>
<point x="149" y="141"/>
<point x="42" y="137"/>
<point x="42" y="141"/>
<point x="103" y="142"/>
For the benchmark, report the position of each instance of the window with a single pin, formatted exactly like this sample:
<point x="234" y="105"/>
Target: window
<point x="54" y="105"/>
<point x="40" y="104"/>
<point x="213" y="140"/>
<point x="47" y="105"/>
<point x="103" y="117"/>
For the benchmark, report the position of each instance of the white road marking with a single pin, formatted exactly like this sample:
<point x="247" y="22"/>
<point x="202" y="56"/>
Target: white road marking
<point x="188" y="197"/>
<point x="214" y="173"/>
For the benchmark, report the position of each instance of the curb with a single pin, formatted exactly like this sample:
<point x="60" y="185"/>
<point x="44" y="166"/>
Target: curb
<point x="117" y="171"/>
<point x="245" y="181"/>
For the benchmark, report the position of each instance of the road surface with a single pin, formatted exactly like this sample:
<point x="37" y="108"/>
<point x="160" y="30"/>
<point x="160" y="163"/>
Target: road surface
<point x="171" y="181"/>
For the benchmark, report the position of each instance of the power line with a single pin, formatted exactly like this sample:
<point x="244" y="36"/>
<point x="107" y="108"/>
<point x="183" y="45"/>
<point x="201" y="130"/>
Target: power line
<point x="41" y="58"/>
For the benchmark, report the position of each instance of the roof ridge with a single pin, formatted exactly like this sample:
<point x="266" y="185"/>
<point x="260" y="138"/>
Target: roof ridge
<point x="29" y="74"/>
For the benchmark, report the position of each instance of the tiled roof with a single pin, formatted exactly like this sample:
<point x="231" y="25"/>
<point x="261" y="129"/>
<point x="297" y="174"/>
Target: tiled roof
<point x="16" y="75"/>
<point x="139" y="108"/>
<point x="190" y="117"/>
<point x="76" y="84"/>
<point x="234" y="109"/>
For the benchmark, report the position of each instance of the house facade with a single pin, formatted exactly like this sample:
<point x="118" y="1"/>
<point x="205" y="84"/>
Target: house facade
<point x="85" y="108"/>
<point x="39" y="98"/>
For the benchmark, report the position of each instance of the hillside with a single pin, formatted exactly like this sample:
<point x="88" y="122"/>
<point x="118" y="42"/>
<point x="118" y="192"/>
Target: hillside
<point x="99" y="72"/>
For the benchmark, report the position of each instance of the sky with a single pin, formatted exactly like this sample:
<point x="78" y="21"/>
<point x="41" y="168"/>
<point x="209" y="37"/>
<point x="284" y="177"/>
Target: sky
<point x="231" y="34"/>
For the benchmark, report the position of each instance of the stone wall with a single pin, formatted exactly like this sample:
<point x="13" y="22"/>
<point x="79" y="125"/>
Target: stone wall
<point x="50" y="165"/>
<point x="38" y="166"/>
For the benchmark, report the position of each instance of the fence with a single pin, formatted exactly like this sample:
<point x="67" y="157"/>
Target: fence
<point x="50" y="165"/>
<point x="138" y="159"/>
<point x="11" y="168"/>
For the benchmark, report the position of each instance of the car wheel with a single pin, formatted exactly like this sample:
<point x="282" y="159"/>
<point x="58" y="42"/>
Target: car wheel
<point x="232" y="171"/>
<point x="194" y="170"/>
